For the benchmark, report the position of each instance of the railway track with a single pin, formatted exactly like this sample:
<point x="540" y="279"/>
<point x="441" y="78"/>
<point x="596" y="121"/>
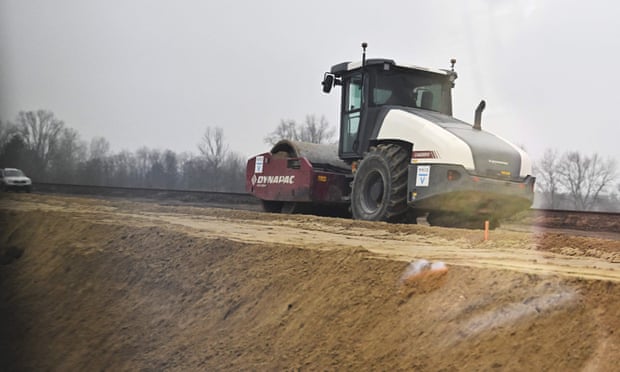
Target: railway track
<point x="549" y="218"/>
<point x="199" y="196"/>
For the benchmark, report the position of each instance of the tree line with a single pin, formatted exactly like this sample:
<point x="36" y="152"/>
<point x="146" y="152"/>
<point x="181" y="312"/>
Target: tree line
<point x="48" y="150"/>
<point x="576" y="181"/>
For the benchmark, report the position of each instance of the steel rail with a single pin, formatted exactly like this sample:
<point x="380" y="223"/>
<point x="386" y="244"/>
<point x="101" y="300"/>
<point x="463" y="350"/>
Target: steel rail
<point x="568" y="211"/>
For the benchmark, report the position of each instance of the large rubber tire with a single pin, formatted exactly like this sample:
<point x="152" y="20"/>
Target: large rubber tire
<point x="290" y="208"/>
<point x="379" y="188"/>
<point x="271" y="206"/>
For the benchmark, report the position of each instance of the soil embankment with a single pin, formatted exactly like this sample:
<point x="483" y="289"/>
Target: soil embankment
<point x="93" y="284"/>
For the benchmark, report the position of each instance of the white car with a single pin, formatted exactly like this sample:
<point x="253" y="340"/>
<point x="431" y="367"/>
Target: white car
<point x="14" y="179"/>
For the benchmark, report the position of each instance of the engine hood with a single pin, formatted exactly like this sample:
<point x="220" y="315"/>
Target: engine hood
<point x="491" y="156"/>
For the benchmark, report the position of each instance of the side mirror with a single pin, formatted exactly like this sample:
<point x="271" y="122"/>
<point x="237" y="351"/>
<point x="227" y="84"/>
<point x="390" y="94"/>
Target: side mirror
<point x="328" y="83"/>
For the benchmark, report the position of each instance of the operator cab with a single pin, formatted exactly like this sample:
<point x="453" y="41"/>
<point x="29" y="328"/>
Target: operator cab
<point x="371" y="88"/>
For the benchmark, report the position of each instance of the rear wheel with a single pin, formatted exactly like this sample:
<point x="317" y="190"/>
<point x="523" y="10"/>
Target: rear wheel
<point x="290" y="208"/>
<point x="272" y="206"/>
<point x="379" y="189"/>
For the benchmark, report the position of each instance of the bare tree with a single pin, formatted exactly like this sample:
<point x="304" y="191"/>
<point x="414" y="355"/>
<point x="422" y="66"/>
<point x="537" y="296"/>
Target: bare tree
<point x="7" y="130"/>
<point x="125" y="167"/>
<point x="193" y="173"/>
<point x="312" y="130"/>
<point x="40" y="130"/>
<point x="3" y="134"/>
<point x="316" y="131"/>
<point x="171" y="168"/>
<point x="585" y="177"/>
<point x="143" y="164"/>
<point x="548" y="178"/>
<point x="16" y="154"/>
<point x="69" y="151"/>
<point x="213" y="148"/>
<point x="99" y="148"/>
<point x="156" y="176"/>
<point x="287" y="129"/>
<point x="234" y="172"/>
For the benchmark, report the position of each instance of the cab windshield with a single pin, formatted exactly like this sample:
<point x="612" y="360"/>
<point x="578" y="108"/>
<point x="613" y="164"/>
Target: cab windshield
<point x="13" y="173"/>
<point x="411" y="88"/>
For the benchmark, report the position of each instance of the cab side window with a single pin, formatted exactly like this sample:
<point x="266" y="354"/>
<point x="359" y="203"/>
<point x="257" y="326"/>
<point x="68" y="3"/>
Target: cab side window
<point x="352" y="111"/>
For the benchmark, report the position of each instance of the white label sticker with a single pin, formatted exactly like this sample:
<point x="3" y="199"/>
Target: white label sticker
<point x="424" y="173"/>
<point x="258" y="166"/>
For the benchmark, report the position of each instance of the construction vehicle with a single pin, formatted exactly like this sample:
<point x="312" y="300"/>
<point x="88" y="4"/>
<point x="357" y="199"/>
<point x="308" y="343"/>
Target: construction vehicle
<point x="400" y="155"/>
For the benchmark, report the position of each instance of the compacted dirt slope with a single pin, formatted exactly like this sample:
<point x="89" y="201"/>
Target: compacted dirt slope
<point x="90" y="284"/>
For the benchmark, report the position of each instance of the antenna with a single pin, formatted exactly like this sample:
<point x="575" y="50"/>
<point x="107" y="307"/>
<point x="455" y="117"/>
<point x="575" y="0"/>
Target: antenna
<point x="364" y="46"/>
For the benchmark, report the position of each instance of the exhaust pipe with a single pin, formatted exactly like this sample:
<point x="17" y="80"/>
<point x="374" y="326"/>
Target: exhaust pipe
<point x="478" y="115"/>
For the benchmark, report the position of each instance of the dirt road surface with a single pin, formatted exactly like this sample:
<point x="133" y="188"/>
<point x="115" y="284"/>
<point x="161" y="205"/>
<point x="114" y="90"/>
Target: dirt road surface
<point x="104" y="284"/>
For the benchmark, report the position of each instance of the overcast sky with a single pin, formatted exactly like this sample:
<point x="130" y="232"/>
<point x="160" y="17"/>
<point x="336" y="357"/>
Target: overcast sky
<point x="158" y="73"/>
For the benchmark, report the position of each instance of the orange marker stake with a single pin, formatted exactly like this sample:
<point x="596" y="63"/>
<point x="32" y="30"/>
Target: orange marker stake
<point x="486" y="230"/>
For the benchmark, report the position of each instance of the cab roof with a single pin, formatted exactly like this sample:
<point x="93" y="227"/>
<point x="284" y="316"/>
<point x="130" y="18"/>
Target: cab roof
<point x="344" y="67"/>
